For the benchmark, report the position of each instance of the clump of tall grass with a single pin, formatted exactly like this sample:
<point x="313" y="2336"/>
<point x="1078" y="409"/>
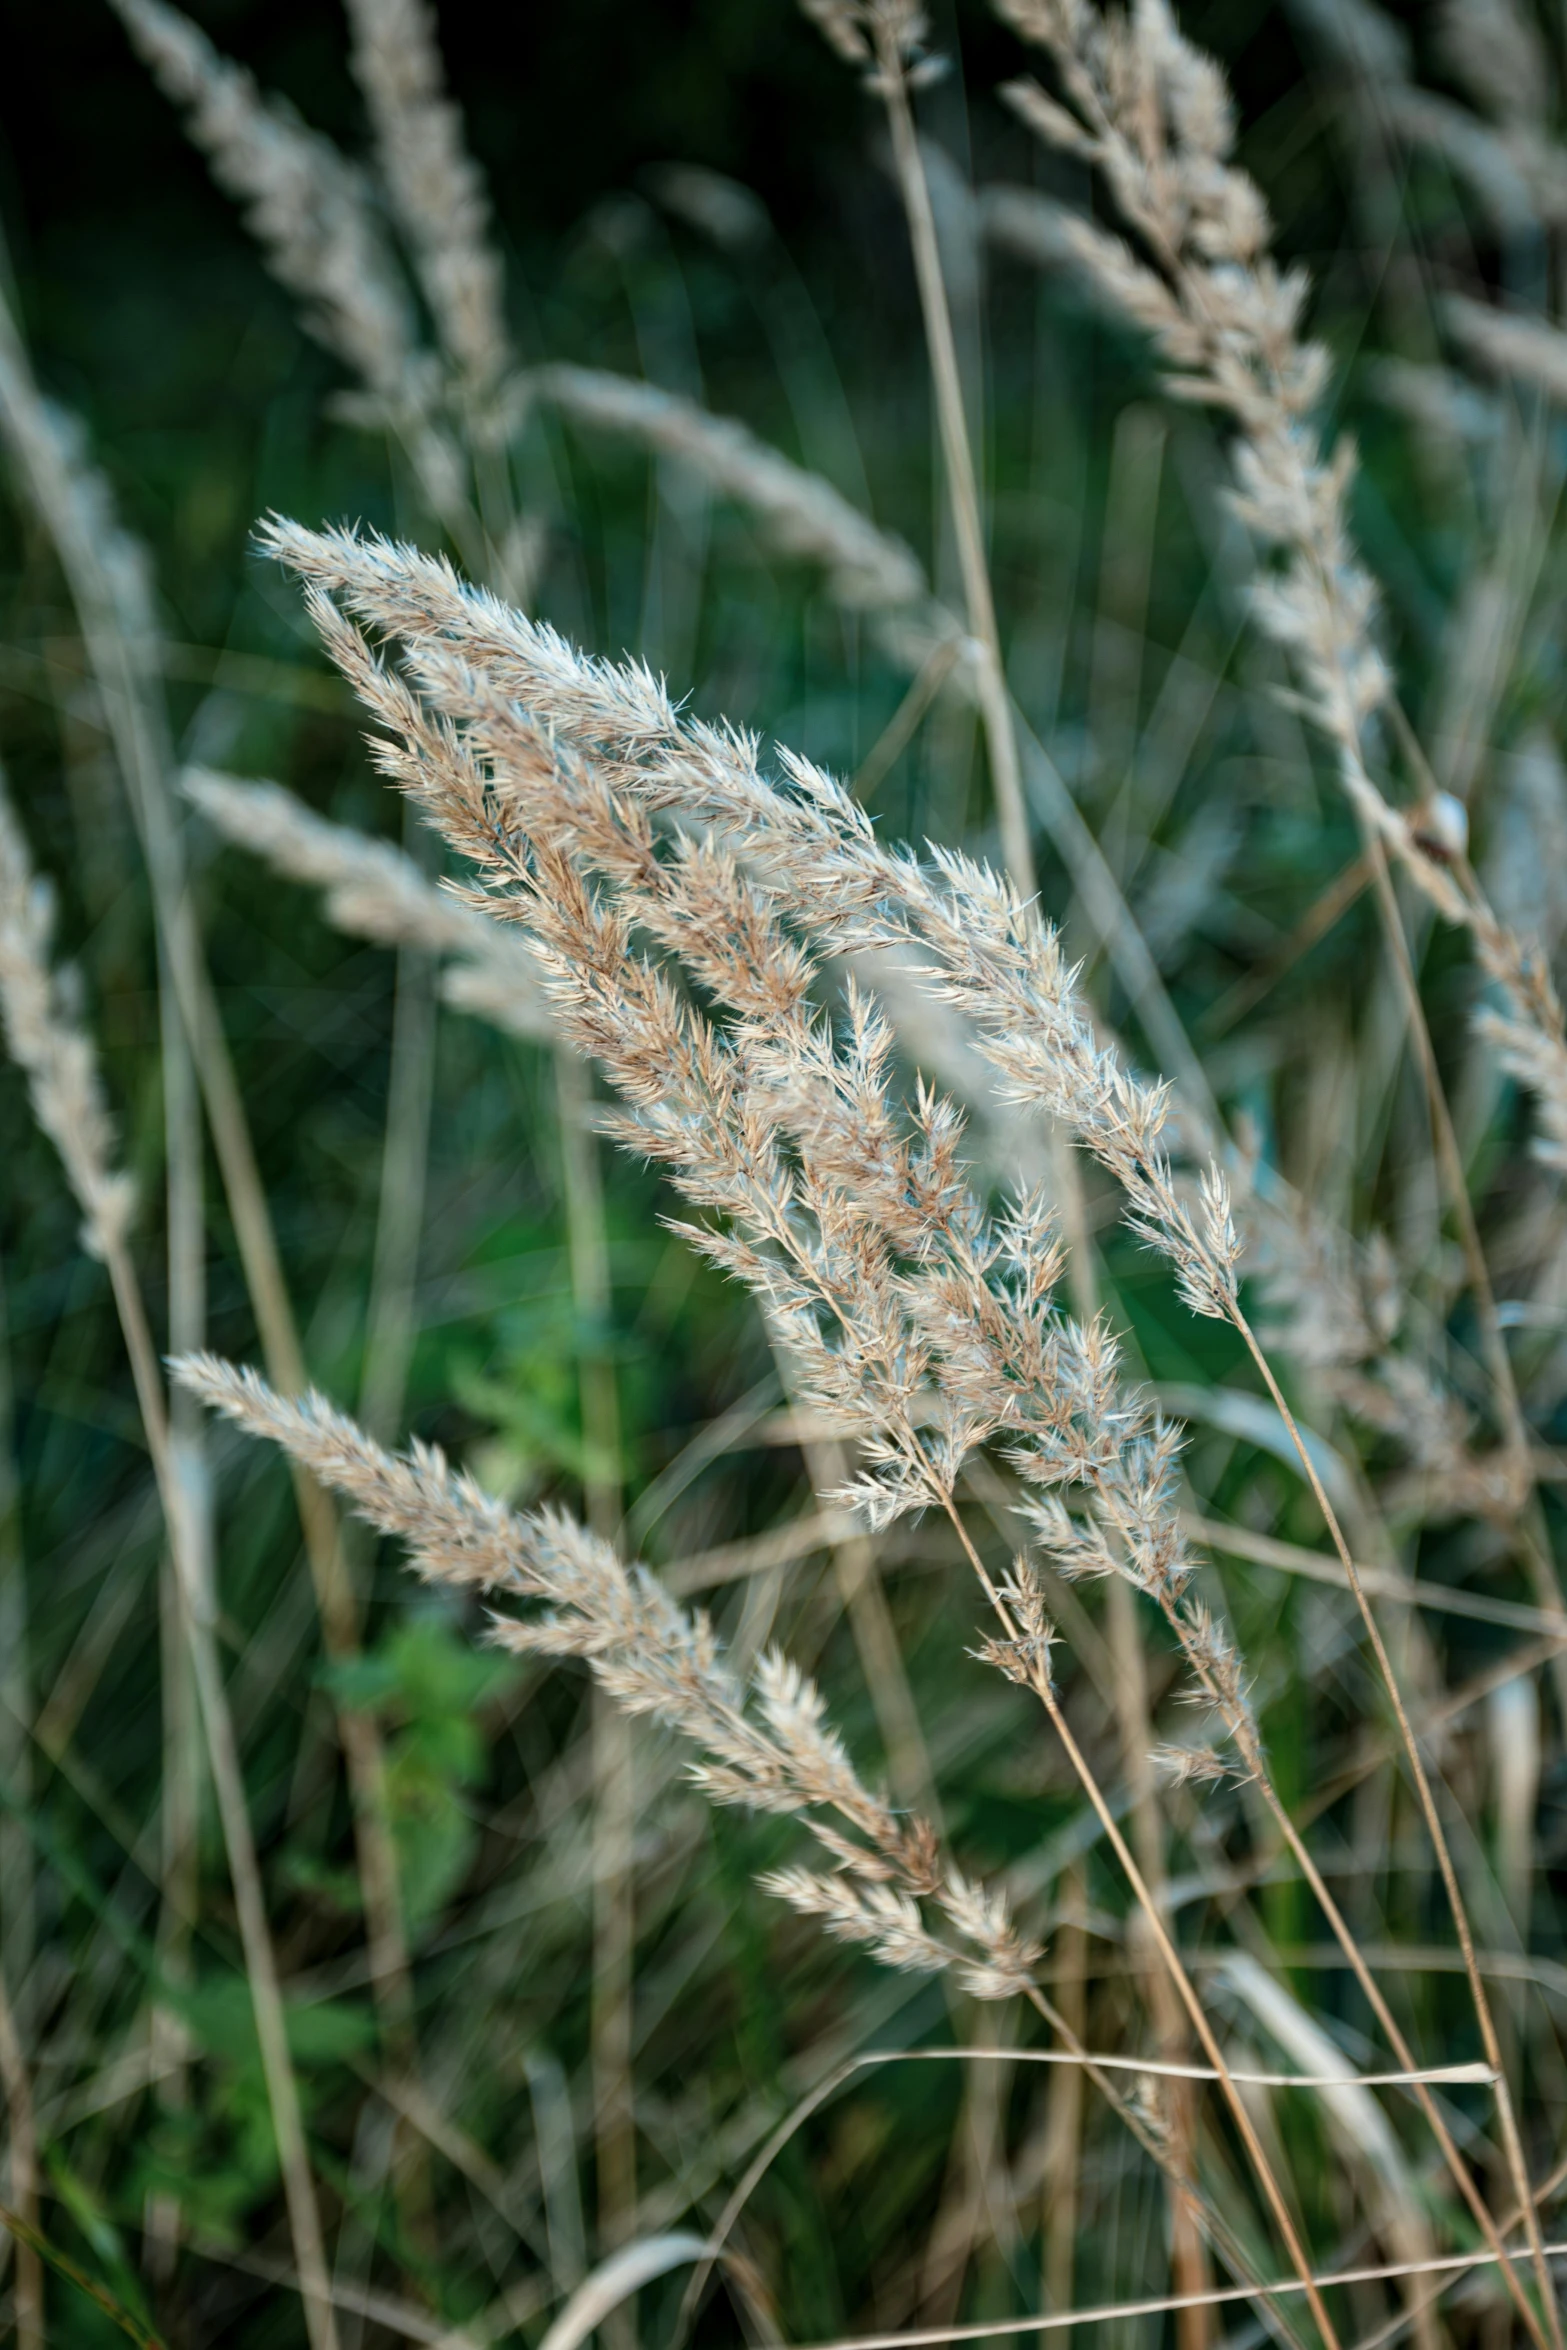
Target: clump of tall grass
<point x="786" y="1010"/>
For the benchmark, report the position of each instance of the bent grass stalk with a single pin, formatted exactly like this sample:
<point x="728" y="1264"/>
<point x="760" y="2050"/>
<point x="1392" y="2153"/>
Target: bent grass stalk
<point x="891" y="40"/>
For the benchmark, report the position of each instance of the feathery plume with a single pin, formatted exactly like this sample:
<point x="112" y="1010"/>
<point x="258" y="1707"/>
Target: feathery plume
<point x="308" y="209"/>
<point x="769" y="1747"/>
<point x="1152" y="113"/>
<point x="1527" y="349"/>
<point x="491" y="682"/>
<point x="869" y="569"/>
<point x="918" y="1324"/>
<point x="436" y="190"/>
<point x="48" y="1043"/>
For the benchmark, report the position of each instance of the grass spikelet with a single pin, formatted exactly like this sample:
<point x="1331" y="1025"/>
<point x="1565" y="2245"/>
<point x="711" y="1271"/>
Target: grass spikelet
<point x="46" y="1039"/>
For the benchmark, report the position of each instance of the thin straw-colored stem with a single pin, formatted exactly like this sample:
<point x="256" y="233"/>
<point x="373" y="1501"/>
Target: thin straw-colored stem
<point x="17" y="1713"/>
<point x="1039" y="1681"/>
<point x="1064" y="2124"/>
<point x="228" y="1782"/>
<point x="1451" y="2264"/>
<point x="180" y="1787"/>
<point x="614" y="1782"/>
<point x="1187" y="2261"/>
<point x="1511" y="2142"/>
<point x="958" y="457"/>
<point x="389" y="1337"/>
<point x="1532" y="1545"/>
<point x="1246" y="1740"/>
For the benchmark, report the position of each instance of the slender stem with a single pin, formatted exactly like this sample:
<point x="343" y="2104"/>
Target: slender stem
<point x="1132" y="1706"/>
<point x="1040" y="1683"/>
<point x="958" y="457"/>
<point x="1512" y="2143"/>
<point x="1246" y="1741"/>
<point x="614" y="1779"/>
<point x="228" y="1781"/>
<point x="389" y="1338"/>
<point x="1066" y="2120"/>
<point x="1532" y="1544"/>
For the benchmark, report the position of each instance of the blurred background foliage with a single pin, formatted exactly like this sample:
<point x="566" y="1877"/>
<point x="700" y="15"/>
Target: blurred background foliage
<point x="149" y="313"/>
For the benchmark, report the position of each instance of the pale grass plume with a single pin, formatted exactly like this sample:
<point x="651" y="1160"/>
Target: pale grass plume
<point x="1495" y="48"/>
<point x="1503" y="156"/>
<point x="1153" y="115"/>
<point x="436" y="189"/>
<point x="802" y="515"/>
<point x="308" y="209"/>
<point x="378" y="892"/>
<point x="1525" y="349"/>
<point x="855" y="29"/>
<point x="976" y="941"/>
<point x="919" y="1324"/>
<point x="46" y="1038"/>
<point x="768" y="1746"/>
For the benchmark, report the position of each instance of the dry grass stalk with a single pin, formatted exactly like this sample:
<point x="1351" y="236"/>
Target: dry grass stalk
<point x="46" y="1039"/>
<point x="311" y="212"/>
<point x="887" y="38"/>
<point x="41" y="1008"/>
<point x="308" y="209"/>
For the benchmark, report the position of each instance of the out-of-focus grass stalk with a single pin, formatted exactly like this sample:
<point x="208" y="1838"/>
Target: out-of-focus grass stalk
<point x="389" y="1342"/>
<point x="962" y="482"/>
<point x="199" y="1609"/>
<point x="1064" y="2126"/>
<point x="1188" y="2258"/>
<point x="390" y="1324"/>
<point x="27" y="2306"/>
<point x="180" y="1788"/>
<point x="614" y="1786"/>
